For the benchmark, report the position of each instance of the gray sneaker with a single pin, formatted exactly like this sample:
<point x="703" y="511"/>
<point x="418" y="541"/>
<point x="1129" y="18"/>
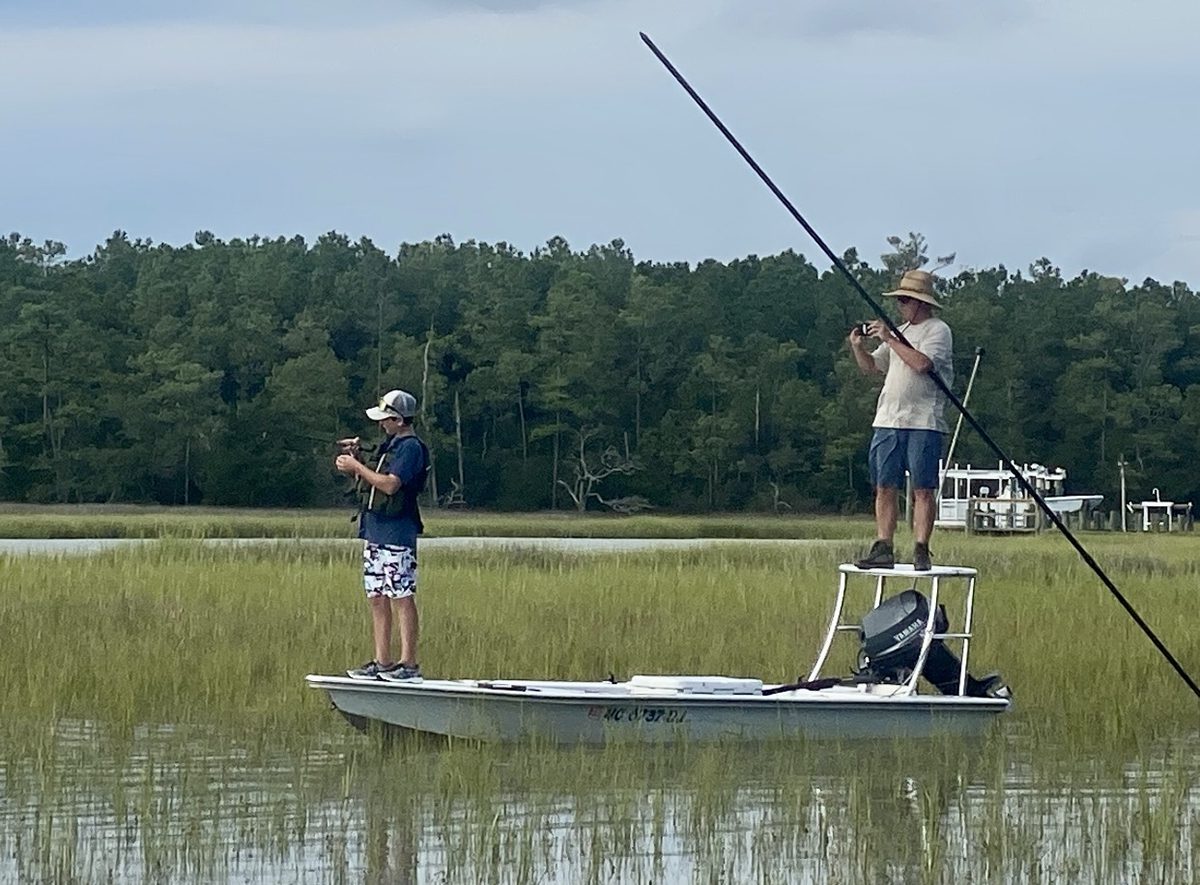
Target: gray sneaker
<point x="881" y="555"/>
<point x="371" y="670"/>
<point x="402" y="673"/>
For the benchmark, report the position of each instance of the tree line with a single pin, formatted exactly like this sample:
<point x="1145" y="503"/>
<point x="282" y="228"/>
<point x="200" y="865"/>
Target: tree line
<point x="220" y="372"/>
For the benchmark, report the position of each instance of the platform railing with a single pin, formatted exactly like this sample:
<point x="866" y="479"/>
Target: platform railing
<point x="911" y="578"/>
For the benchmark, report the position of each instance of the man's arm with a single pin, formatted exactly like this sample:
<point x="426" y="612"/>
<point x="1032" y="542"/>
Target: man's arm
<point x="912" y="357"/>
<point x="858" y="347"/>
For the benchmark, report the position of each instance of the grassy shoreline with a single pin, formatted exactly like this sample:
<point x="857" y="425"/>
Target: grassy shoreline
<point x="127" y="521"/>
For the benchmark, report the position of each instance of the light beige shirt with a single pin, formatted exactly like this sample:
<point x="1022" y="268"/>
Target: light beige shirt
<point x="910" y="400"/>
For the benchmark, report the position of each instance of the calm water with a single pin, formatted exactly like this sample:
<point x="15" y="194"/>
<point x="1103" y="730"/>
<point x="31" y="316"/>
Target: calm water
<point x="192" y="805"/>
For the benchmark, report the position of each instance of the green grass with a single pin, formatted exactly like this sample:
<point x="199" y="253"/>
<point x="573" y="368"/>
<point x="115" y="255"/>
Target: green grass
<point x="161" y="689"/>
<point x="184" y="633"/>
<point x="119" y="521"/>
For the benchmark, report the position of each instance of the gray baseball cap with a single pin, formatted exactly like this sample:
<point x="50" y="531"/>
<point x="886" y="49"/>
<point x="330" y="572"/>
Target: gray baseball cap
<point x="394" y="404"/>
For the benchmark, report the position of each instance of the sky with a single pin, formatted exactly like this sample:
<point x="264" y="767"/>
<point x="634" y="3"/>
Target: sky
<point x="1002" y="130"/>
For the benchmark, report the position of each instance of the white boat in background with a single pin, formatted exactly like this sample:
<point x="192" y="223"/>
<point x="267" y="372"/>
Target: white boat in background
<point x="902" y="641"/>
<point x="998" y="501"/>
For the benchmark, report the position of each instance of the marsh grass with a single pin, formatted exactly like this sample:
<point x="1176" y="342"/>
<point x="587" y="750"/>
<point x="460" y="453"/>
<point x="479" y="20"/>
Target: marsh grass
<point x="155" y="722"/>
<point x="125" y="521"/>
<point x="185" y="633"/>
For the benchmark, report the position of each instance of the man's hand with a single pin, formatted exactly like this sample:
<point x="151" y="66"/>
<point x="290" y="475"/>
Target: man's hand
<point x="858" y="341"/>
<point x="348" y="464"/>
<point x="875" y="329"/>
<point x="881" y="331"/>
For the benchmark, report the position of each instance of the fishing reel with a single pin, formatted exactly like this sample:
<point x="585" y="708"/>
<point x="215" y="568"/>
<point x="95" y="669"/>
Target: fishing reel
<point x="354" y="447"/>
<point x="863" y="329"/>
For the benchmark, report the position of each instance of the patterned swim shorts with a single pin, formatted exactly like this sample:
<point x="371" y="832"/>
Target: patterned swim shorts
<point x="389" y="571"/>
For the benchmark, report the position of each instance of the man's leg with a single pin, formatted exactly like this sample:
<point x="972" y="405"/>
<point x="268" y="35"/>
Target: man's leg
<point x="924" y="454"/>
<point x="887" y="471"/>
<point x="885" y="513"/>
<point x="882" y="554"/>
<point x="923" y="515"/>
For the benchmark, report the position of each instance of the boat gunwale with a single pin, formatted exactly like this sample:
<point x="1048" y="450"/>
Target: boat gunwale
<point x="472" y="689"/>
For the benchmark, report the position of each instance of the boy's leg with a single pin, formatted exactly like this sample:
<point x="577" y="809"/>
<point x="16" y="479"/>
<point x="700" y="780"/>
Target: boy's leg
<point x="375" y="585"/>
<point x="381" y="629"/>
<point x="406" y="616"/>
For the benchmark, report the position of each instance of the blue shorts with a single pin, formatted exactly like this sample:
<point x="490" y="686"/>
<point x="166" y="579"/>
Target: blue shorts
<point x="894" y="451"/>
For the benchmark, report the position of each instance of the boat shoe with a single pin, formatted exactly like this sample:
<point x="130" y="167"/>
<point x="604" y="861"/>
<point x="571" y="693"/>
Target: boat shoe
<point x="402" y="673"/>
<point x="372" y="670"/>
<point x="881" y="555"/>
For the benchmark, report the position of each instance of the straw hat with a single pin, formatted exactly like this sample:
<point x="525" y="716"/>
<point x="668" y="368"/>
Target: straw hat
<point x="916" y="284"/>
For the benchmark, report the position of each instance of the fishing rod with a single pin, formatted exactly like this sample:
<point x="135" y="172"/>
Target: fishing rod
<point x="932" y="374"/>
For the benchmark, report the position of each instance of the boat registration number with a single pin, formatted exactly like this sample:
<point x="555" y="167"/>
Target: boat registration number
<point x="637" y="714"/>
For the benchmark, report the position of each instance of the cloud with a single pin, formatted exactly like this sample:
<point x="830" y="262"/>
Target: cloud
<point x="839" y="19"/>
<point x="1015" y="129"/>
<point x="507" y="6"/>
<point x="418" y="61"/>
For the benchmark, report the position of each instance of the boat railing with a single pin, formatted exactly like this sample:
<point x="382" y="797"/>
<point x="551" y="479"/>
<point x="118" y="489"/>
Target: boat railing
<point x="912" y="579"/>
<point x="1002" y="515"/>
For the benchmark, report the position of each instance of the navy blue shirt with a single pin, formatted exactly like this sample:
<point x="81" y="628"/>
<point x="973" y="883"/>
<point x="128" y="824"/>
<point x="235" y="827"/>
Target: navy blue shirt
<point x="406" y="461"/>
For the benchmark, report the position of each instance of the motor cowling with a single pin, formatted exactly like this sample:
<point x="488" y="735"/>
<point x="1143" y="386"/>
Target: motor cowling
<point x="891" y="636"/>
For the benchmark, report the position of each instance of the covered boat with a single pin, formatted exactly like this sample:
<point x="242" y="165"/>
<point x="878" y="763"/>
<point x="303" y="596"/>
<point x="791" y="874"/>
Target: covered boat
<point x="990" y="498"/>
<point x="902" y="653"/>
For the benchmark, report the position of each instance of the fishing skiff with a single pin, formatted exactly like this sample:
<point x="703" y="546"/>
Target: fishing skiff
<point x="903" y="654"/>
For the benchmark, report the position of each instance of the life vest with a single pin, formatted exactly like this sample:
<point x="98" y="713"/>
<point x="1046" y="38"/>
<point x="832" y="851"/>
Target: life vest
<point x="404" y="502"/>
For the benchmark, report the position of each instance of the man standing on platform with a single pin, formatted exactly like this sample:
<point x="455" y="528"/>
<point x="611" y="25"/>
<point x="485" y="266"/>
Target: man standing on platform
<point x="909" y="422"/>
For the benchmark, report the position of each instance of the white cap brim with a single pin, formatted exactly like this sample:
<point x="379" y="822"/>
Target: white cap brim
<point x="376" y="414"/>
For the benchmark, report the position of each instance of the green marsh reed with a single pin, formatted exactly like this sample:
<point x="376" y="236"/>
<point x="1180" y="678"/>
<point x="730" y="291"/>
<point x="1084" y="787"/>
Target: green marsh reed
<point x="155" y="725"/>
<point x="131" y="521"/>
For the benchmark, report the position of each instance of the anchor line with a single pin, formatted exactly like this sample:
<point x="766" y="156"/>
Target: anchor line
<point x="933" y="375"/>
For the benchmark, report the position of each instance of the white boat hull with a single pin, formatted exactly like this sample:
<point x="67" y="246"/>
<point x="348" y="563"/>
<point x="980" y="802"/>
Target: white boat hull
<point x="603" y="712"/>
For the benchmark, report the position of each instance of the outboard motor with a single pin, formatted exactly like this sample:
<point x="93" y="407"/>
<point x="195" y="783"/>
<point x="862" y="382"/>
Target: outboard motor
<point x="891" y="643"/>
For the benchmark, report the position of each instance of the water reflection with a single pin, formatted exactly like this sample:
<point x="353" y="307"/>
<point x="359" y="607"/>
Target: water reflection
<point x="191" y="804"/>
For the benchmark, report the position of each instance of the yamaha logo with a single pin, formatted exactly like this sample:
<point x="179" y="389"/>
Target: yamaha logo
<point x="907" y="631"/>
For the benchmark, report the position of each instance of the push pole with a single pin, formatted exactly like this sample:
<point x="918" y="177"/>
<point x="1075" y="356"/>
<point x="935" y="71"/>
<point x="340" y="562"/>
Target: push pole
<point x="941" y="385"/>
